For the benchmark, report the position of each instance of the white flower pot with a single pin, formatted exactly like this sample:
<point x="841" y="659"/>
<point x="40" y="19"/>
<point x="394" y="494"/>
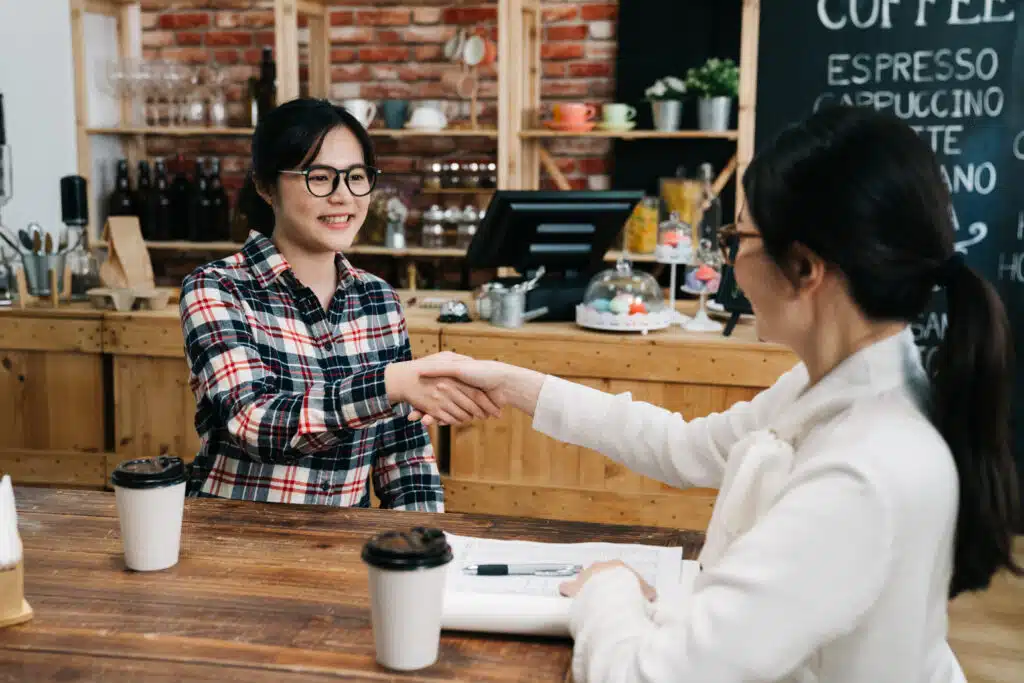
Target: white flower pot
<point x="713" y="113"/>
<point x="666" y="114"/>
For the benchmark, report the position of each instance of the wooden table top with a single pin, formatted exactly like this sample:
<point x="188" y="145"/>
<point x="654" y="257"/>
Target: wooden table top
<point x="262" y="593"/>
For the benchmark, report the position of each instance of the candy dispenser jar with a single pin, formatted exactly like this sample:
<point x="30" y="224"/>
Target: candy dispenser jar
<point x="623" y="300"/>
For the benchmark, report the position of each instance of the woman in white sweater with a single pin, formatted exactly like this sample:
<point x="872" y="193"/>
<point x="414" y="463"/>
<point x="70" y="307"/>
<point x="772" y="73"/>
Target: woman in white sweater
<point x="857" y="494"/>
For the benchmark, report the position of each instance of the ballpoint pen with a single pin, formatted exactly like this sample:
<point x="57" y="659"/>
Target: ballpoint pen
<point x="523" y="569"/>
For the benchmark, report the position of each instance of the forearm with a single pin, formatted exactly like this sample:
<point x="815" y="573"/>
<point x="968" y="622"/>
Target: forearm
<point x="520" y="387"/>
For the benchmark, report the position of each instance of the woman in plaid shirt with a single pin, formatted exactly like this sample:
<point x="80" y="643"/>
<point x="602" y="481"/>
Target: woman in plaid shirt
<point x="301" y="364"/>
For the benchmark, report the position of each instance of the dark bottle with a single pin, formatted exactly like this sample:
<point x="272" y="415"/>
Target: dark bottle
<point x="220" y="213"/>
<point x="199" y="206"/>
<point x="121" y="201"/>
<point x="143" y="200"/>
<point x="181" y="192"/>
<point x="266" y="86"/>
<point x="160" y="202"/>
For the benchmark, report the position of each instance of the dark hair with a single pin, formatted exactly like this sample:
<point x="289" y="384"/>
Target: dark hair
<point x="864" y="192"/>
<point x="289" y="136"/>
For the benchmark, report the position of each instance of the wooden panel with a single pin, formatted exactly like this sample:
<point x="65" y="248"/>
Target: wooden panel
<point x="681" y="510"/>
<point x="38" y="333"/>
<point x="600" y="356"/>
<point x="508" y="449"/>
<point x="424" y="343"/>
<point x="156" y="336"/>
<point x="51" y="400"/>
<point x="154" y="410"/>
<point x="52" y="467"/>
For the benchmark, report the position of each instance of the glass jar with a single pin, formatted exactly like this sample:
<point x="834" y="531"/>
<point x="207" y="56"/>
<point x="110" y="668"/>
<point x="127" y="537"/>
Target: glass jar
<point x="432" y="234"/>
<point x="467" y="227"/>
<point x="432" y="180"/>
<point x="454" y="175"/>
<point x="446" y="174"/>
<point x="624" y="291"/>
<point x="675" y="241"/>
<point x="471" y="178"/>
<point x="489" y="179"/>
<point x="642" y="227"/>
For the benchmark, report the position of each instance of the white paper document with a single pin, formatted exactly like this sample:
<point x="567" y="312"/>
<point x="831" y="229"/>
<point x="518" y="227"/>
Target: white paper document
<point x="532" y="604"/>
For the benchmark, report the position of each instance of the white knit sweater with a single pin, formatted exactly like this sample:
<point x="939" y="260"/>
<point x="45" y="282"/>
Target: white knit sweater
<point x="829" y="552"/>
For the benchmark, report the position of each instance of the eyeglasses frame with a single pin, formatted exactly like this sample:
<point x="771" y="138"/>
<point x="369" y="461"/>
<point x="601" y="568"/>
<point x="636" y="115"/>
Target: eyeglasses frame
<point x="725" y="234"/>
<point x="339" y="173"/>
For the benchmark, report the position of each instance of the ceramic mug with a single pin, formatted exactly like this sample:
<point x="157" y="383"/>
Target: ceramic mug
<point x="364" y="110"/>
<point x="462" y="82"/>
<point x="619" y="115"/>
<point x="428" y="118"/>
<point x="574" y="113"/>
<point x="395" y="112"/>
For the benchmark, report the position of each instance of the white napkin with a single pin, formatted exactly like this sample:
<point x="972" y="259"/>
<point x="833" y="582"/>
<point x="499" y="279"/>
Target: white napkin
<point x="10" y="541"/>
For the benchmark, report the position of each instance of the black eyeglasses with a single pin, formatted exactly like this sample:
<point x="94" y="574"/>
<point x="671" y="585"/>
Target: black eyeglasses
<point x="323" y="181"/>
<point x="729" y="237"/>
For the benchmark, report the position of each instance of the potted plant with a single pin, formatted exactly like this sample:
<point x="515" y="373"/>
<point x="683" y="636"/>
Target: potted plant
<point x="666" y="98"/>
<point x="715" y="84"/>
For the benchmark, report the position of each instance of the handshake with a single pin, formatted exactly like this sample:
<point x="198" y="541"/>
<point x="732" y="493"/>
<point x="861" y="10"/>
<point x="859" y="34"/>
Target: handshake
<point x="450" y="389"/>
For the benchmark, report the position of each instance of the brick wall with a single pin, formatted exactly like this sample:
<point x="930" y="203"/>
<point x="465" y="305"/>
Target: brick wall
<point x="395" y="51"/>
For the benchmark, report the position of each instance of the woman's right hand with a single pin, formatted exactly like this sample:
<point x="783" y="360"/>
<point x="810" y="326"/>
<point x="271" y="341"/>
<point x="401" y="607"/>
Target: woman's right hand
<point x="440" y="396"/>
<point x="504" y="384"/>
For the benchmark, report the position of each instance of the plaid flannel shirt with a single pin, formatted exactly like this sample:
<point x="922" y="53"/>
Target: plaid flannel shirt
<point x="291" y="400"/>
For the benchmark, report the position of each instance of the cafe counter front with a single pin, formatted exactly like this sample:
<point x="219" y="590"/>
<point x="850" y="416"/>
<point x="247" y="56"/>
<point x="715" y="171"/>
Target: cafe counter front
<point x="82" y="389"/>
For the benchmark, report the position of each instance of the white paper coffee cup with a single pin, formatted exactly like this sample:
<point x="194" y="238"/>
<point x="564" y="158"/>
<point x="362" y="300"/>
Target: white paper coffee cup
<point x="407" y="580"/>
<point x="150" y="494"/>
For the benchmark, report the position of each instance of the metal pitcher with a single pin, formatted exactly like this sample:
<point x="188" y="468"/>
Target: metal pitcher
<point x="509" y="308"/>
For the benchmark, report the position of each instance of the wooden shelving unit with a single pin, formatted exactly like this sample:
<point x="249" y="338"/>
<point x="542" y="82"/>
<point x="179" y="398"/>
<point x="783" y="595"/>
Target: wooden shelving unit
<point x="520" y="138"/>
<point x="173" y="131"/>
<point x="520" y="99"/>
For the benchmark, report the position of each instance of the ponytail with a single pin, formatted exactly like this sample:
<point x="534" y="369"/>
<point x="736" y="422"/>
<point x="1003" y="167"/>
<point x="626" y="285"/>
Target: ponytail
<point x="257" y="213"/>
<point x="971" y="393"/>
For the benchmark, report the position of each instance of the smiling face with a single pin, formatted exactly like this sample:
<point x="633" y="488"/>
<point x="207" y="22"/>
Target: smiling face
<point x="320" y="224"/>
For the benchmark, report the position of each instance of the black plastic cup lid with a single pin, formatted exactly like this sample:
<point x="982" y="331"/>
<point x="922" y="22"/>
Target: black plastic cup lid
<point x="418" y="548"/>
<point x="149" y="473"/>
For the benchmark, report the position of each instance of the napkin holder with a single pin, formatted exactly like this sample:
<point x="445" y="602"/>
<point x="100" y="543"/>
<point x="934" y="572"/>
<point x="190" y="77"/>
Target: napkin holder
<point x="14" y="609"/>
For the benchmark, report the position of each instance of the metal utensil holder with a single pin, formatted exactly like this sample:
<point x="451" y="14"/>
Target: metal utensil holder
<point x="44" y="272"/>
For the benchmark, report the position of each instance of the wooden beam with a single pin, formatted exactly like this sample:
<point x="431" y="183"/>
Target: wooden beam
<point x="57" y="467"/>
<point x="286" y="45"/>
<point x="319" y="56"/>
<point x="549" y="164"/>
<point x="723" y="178"/>
<point x="109" y="9"/>
<point x="82" y="141"/>
<point x="311" y="8"/>
<point x="748" y="91"/>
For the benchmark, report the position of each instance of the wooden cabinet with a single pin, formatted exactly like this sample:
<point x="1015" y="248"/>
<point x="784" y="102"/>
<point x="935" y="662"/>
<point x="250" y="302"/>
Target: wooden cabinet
<point x="52" y="420"/>
<point x="505" y="467"/>
<point x="81" y="390"/>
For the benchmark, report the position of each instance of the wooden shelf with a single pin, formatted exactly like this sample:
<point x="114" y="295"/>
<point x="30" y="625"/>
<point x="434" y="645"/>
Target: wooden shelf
<point x="444" y="133"/>
<point x="177" y="131"/>
<point x="369" y="250"/>
<point x="459" y="190"/>
<point x="632" y="134"/>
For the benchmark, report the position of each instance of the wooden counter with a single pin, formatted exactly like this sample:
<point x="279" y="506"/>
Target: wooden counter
<point x="504" y="466"/>
<point x="83" y="389"/>
<point x="261" y="593"/>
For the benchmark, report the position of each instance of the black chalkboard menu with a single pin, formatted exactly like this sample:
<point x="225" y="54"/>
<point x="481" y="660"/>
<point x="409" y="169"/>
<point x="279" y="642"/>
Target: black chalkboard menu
<point x="953" y="69"/>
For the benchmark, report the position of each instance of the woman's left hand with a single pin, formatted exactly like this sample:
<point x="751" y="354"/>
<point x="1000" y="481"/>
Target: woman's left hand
<point x="573" y="586"/>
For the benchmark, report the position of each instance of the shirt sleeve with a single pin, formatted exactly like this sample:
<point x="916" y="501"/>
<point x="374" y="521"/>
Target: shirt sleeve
<point x="231" y="372"/>
<point x="405" y="473"/>
<point x="804" y="575"/>
<point x="650" y="440"/>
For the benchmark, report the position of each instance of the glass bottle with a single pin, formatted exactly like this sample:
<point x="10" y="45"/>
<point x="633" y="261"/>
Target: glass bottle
<point x="180" y="192"/>
<point x="220" y="213"/>
<point x="121" y="202"/>
<point x="711" y="207"/>
<point x="199" y="206"/>
<point x="161" y="203"/>
<point x="144" y="200"/>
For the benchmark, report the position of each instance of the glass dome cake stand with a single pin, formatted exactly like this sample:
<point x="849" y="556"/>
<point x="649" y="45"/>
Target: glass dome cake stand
<point x="623" y="300"/>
